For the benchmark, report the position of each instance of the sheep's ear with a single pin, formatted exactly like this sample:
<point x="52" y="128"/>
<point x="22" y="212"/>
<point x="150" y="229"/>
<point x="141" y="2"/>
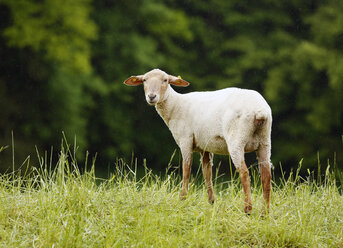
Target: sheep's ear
<point x="177" y="81"/>
<point x="134" y="80"/>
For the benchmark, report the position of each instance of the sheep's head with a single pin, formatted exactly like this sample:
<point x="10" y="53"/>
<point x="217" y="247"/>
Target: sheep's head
<point x="155" y="84"/>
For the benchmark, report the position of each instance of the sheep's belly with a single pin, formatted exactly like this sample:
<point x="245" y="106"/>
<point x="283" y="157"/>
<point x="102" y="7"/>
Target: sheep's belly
<point x="216" y="145"/>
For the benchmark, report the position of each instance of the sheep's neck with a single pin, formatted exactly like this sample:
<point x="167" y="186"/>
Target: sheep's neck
<point x="169" y="106"/>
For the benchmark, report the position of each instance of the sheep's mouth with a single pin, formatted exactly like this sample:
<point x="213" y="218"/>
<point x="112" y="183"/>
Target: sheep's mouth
<point x="152" y="103"/>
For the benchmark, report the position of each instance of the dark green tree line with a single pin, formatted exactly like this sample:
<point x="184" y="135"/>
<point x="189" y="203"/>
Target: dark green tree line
<point x="63" y="64"/>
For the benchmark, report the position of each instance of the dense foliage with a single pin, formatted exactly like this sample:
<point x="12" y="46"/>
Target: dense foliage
<point x="63" y="63"/>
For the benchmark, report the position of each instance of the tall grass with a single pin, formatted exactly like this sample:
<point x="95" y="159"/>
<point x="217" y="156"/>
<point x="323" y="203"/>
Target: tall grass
<point x="62" y="207"/>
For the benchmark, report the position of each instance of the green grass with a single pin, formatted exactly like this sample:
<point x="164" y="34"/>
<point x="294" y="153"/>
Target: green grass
<point x="62" y="207"/>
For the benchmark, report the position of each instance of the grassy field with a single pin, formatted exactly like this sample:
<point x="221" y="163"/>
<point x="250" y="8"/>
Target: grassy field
<point x="62" y="207"/>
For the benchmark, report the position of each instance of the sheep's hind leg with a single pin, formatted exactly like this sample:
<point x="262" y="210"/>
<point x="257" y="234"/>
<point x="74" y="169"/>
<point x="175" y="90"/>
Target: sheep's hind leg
<point x="206" y="161"/>
<point x="237" y="156"/>
<point x="263" y="155"/>
<point x="245" y="179"/>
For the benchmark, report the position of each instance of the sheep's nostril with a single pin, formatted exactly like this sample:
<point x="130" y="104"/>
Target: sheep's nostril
<point x="152" y="96"/>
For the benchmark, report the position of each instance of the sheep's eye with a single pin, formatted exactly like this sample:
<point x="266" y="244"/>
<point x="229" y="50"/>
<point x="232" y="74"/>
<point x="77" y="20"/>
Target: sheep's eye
<point x="165" y="80"/>
<point x="144" y="80"/>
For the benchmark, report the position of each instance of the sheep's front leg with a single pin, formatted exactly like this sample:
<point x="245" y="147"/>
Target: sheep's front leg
<point x="206" y="161"/>
<point x="187" y="159"/>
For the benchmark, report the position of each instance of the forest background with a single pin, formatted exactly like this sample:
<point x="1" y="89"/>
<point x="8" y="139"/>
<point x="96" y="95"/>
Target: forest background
<point x="63" y="63"/>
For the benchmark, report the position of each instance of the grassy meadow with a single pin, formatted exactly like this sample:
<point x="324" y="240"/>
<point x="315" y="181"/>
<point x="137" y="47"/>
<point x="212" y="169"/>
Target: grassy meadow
<point x="62" y="207"/>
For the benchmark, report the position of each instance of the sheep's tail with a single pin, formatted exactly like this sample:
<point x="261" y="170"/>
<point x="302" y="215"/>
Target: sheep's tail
<point x="260" y="118"/>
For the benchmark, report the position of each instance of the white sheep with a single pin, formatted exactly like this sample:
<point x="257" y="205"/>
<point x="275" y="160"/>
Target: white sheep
<point x="228" y="121"/>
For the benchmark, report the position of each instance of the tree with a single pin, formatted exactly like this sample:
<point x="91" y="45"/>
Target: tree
<point x="65" y="64"/>
<point x="48" y="72"/>
<point x="308" y="76"/>
<point x="136" y="37"/>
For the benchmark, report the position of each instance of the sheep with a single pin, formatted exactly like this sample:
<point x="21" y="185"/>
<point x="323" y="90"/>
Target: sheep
<point x="231" y="121"/>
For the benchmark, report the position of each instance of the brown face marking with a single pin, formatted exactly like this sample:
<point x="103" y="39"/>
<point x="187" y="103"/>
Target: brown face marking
<point x="157" y="85"/>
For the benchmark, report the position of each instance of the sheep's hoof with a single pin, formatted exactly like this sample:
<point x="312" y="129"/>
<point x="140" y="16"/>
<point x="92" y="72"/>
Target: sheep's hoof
<point x="248" y="209"/>
<point x="211" y="197"/>
<point x="183" y="196"/>
<point x="264" y="213"/>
